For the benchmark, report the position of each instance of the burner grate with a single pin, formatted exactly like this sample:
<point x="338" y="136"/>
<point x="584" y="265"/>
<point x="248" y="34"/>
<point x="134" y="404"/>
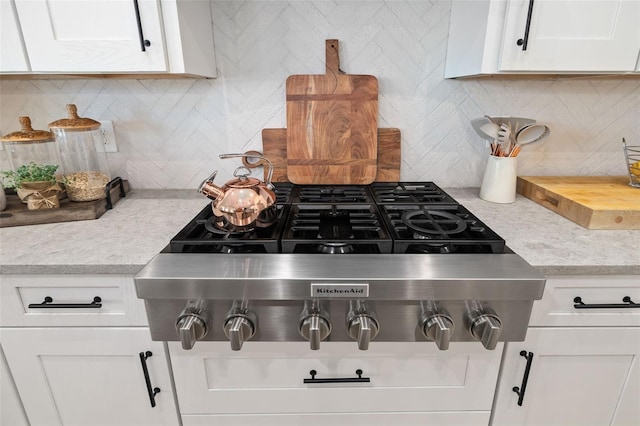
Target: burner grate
<point x="422" y="229"/>
<point x="331" y="194"/>
<point x="333" y="228"/>
<point x="411" y="193"/>
<point x="202" y="235"/>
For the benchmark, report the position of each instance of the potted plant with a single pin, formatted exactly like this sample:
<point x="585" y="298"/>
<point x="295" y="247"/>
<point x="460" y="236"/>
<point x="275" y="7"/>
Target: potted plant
<point x="35" y="184"/>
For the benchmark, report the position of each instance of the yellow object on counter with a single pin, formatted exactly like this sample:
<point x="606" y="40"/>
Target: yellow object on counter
<point x="635" y="168"/>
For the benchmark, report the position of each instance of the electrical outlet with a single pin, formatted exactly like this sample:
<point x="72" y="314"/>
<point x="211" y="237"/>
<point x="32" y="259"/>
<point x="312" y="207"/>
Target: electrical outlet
<point x="108" y="136"/>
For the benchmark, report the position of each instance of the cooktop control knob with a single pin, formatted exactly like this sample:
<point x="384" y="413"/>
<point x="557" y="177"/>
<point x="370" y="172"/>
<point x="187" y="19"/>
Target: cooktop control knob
<point x="486" y="327"/>
<point x="239" y="326"/>
<point x="314" y="324"/>
<point x="437" y="327"/>
<point x="192" y="324"/>
<point x="362" y="325"/>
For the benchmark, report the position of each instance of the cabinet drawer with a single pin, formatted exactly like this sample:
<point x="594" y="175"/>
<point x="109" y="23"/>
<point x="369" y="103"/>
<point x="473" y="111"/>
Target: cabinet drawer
<point x="69" y="300"/>
<point x="267" y="378"/>
<point x="601" y="301"/>
<point x="451" y="418"/>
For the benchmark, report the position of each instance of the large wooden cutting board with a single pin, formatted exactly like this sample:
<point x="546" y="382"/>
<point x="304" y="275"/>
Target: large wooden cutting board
<point x="332" y="122"/>
<point x="594" y="202"/>
<point x="274" y="147"/>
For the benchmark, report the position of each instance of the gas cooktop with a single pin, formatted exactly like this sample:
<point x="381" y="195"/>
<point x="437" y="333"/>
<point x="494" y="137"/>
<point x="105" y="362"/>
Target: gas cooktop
<point x="404" y="217"/>
<point x="394" y="262"/>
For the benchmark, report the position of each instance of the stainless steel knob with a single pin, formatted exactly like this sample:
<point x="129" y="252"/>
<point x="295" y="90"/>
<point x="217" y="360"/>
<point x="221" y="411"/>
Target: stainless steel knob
<point x="239" y="326"/>
<point x="192" y="324"/>
<point x="486" y="328"/>
<point x="437" y="327"/>
<point x="362" y="327"/>
<point x="314" y="325"/>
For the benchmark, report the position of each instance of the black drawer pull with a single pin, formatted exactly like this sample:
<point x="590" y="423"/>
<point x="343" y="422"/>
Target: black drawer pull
<point x="358" y="379"/>
<point x="48" y="303"/>
<point x="143" y="42"/>
<point x="150" y="389"/>
<point x="626" y="303"/>
<point x="525" y="379"/>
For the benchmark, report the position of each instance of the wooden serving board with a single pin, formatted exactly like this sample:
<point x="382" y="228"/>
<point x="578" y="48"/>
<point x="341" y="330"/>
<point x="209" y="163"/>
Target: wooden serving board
<point x="17" y="214"/>
<point x="274" y="147"/>
<point x="332" y="122"/>
<point x="594" y="202"/>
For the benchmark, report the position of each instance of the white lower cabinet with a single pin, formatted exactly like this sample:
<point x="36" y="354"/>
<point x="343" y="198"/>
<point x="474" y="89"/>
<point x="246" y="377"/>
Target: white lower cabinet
<point x="579" y="362"/>
<point x="577" y="376"/>
<point x="90" y="376"/>
<point x="11" y="410"/>
<point x="410" y="383"/>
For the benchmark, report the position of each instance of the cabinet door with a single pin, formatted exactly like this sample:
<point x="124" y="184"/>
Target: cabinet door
<point x="89" y="376"/>
<point x="578" y="376"/>
<point x="11" y="411"/>
<point x="571" y="35"/>
<point x="12" y="56"/>
<point x="92" y="36"/>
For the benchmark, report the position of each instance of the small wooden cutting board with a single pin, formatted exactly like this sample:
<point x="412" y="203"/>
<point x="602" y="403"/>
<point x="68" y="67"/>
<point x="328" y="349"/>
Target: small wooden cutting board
<point x="594" y="202"/>
<point x="332" y="122"/>
<point x="274" y="147"/>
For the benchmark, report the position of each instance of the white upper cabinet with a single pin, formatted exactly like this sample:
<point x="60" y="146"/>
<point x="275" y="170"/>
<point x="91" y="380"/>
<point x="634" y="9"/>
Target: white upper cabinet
<point x="12" y="54"/>
<point x="543" y="36"/>
<point x="118" y="36"/>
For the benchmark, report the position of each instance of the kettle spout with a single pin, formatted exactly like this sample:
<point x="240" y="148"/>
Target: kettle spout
<point x="211" y="190"/>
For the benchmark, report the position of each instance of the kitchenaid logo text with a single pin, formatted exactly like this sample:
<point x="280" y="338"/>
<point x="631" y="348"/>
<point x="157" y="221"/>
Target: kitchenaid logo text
<point x="339" y="290"/>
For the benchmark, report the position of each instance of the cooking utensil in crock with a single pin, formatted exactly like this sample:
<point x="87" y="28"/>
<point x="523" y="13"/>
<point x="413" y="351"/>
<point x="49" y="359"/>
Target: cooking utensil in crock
<point x="505" y="138"/>
<point x="531" y="133"/>
<point x="516" y="123"/>
<point x="242" y="200"/>
<point x="485" y="128"/>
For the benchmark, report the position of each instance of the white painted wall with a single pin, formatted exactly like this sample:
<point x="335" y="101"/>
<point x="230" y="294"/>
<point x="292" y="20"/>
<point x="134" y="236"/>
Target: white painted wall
<point x="170" y="132"/>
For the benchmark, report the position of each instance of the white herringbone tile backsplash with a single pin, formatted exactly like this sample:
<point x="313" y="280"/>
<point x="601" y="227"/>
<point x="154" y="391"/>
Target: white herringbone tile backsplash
<point x="170" y="132"/>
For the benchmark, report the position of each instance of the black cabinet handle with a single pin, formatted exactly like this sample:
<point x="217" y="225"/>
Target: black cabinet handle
<point x="626" y="303"/>
<point x="143" y="43"/>
<point x="525" y="41"/>
<point x="150" y="389"/>
<point x="48" y="303"/>
<point x="358" y="379"/>
<point x="523" y="387"/>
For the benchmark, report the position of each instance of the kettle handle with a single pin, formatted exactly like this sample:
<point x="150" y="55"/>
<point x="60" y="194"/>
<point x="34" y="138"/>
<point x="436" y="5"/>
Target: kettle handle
<point x="254" y="154"/>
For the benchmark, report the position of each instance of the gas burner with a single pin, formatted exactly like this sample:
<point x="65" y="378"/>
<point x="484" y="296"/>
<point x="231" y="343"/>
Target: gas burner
<point x="220" y="226"/>
<point x="229" y="249"/>
<point x="207" y="233"/>
<point x="336" y="248"/>
<point x="335" y="224"/>
<point x="427" y="248"/>
<point x="427" y="223"/>
<point x="336" y="229"/>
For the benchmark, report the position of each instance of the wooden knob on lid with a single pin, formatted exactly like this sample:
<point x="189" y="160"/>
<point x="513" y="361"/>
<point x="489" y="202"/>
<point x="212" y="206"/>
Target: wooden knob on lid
<point x="27" y="134"/>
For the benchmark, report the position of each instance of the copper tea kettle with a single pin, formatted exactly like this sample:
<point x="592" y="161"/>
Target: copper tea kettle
<point x="241" y="200"/>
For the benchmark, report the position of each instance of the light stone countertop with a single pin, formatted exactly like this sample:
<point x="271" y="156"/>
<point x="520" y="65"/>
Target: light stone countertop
<point x="124" y="239"/>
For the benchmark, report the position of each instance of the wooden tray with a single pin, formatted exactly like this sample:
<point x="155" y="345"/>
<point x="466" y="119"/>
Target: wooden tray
<point x="17" y="214"/>
<point x="594" y="202"/>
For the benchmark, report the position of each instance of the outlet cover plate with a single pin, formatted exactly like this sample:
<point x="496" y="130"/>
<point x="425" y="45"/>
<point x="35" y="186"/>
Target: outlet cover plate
<point x="108" y="136"/>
